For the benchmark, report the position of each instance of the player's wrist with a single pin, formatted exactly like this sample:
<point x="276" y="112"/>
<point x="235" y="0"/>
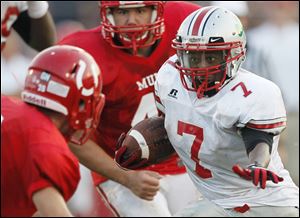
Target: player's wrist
<point x="37" y="9"/>
<point x="255" y="164"/>
<point x="126" y="178"/>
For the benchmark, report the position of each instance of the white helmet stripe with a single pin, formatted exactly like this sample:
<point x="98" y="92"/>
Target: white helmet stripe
<point x="206" y="19"/>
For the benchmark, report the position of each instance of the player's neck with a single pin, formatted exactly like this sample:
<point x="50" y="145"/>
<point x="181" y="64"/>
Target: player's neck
<point x="145" y="52"/>
<point x="57" y="119"/>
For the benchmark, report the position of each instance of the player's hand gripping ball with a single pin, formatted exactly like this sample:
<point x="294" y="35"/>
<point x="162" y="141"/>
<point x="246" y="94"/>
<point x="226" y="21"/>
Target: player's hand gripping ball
<point x="145" y="144"/>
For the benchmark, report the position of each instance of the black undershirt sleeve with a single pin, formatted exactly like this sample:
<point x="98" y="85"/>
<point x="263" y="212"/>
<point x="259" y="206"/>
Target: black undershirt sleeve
<point x="252" y="137"/>
<point x="22" y="26"/>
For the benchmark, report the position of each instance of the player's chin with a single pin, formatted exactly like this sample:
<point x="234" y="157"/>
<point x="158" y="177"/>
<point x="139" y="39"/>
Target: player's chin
<point x="149" y="198"/>
<point x="198" y="82"/>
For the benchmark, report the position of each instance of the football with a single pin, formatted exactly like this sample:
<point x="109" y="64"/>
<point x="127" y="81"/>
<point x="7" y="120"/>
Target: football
<point x="145" y="144"/>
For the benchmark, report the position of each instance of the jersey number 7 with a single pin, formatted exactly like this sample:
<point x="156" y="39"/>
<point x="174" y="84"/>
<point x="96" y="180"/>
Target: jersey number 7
<point x="198" y="133"/>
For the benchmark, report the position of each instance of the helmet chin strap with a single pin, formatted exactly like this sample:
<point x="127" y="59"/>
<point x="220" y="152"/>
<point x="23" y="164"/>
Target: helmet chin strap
<point x="134" y="42"/>
<point x="209" y="93"/>
<point x="200" y="90"/>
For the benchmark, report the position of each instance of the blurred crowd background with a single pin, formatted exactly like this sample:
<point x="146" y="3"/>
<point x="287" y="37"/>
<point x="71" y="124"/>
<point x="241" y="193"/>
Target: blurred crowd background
<point x="272" y="30"/>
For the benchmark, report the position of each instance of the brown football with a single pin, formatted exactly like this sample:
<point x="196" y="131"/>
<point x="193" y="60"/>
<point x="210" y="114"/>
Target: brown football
<point x="147" y="143"/>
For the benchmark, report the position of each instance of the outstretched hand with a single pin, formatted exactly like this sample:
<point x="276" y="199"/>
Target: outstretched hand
<point x="257" y="174"/>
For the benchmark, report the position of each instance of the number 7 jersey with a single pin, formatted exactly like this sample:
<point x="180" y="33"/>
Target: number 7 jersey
<point x="204" y="132"/>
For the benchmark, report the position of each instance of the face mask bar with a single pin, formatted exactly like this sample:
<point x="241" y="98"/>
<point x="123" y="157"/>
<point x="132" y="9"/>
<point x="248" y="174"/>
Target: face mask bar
<point x="139" y="37"/>
<point x="80" y="133"/>
<point x="134" y="38"/>
<point x="199" y="79"/>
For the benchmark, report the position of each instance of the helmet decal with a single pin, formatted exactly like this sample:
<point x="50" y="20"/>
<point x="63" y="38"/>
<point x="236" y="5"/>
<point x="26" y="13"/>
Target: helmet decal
<point x="79" y="79"/>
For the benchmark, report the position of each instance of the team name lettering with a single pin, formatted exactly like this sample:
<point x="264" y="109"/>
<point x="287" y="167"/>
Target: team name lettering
<point x="146" y="82"/>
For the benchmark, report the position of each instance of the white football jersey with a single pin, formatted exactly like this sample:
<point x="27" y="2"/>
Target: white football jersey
<point x="10" y="11"/>
<point x="204" y="132"/>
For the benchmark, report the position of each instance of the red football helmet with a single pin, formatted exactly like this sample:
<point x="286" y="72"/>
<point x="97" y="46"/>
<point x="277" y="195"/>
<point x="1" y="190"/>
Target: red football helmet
<point x="66" y="79"/>
<point x="145" y="36"/>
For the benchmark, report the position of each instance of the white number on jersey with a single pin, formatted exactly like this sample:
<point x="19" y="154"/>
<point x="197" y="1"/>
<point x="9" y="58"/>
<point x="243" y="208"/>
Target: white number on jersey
<point x="146" y="108"/>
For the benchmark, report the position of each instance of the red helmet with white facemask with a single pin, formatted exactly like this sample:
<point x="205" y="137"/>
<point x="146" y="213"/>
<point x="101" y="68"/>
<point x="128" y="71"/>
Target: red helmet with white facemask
<point x="66" y="79"/>
<point x="128" y="37"/>
<point x="214" y="32"/>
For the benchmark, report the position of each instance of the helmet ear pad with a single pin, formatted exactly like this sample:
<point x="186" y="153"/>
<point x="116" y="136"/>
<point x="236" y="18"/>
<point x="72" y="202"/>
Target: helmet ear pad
<point x="67" y="80"/>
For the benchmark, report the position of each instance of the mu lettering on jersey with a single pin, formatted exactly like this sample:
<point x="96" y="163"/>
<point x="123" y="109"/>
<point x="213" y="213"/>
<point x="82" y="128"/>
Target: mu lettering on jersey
<point x="146" y="82"/>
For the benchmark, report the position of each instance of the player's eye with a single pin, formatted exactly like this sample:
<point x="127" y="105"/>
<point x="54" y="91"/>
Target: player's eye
<point x="121" y="11"/>
<point x="140" y="10"/>
<point x="211" y="59"/>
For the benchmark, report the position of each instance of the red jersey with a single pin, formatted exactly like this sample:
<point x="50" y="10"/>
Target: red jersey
<point x="34" y="155"/>
<point x="129" y="82"/>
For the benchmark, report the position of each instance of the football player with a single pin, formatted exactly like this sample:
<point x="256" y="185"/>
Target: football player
<point x="132" y="42"/>
<point x="224" y="122"/>
<point x="62" y="102"/>
<point x="31" y="20"/>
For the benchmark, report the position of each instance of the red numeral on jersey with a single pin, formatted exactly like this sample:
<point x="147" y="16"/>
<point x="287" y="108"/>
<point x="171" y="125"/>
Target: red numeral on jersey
<point x="246" y="92"/>
<point x="198" y="132"/>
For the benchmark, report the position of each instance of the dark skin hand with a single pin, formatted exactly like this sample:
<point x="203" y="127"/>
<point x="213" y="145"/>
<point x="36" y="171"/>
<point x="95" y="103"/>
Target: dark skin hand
<point x="257" y="171"/>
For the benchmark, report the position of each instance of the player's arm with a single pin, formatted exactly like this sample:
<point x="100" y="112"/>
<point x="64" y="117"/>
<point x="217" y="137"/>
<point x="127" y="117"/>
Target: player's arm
<point x="49" y="202"/>
<point x="36" y="26"/>
<point x="144" y="184"/>
<point x="258" y="146"/>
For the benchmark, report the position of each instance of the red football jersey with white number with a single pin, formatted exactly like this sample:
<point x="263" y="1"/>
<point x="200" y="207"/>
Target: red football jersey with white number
<point x="129" y="81"/>
<point x="34" y="155"/>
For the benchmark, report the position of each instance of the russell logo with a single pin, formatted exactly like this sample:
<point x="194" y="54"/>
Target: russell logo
<point x="173" y="93"/>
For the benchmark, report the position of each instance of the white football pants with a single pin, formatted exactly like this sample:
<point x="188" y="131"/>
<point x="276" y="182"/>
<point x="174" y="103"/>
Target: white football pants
<point x="206" y="208"/>
<point x="176" y="191"/>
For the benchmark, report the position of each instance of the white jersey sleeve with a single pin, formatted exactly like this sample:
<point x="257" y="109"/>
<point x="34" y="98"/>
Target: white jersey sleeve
<point x="253" y="102"/>
<point x="163" y="80"/>
<point x="10" y="10"/>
